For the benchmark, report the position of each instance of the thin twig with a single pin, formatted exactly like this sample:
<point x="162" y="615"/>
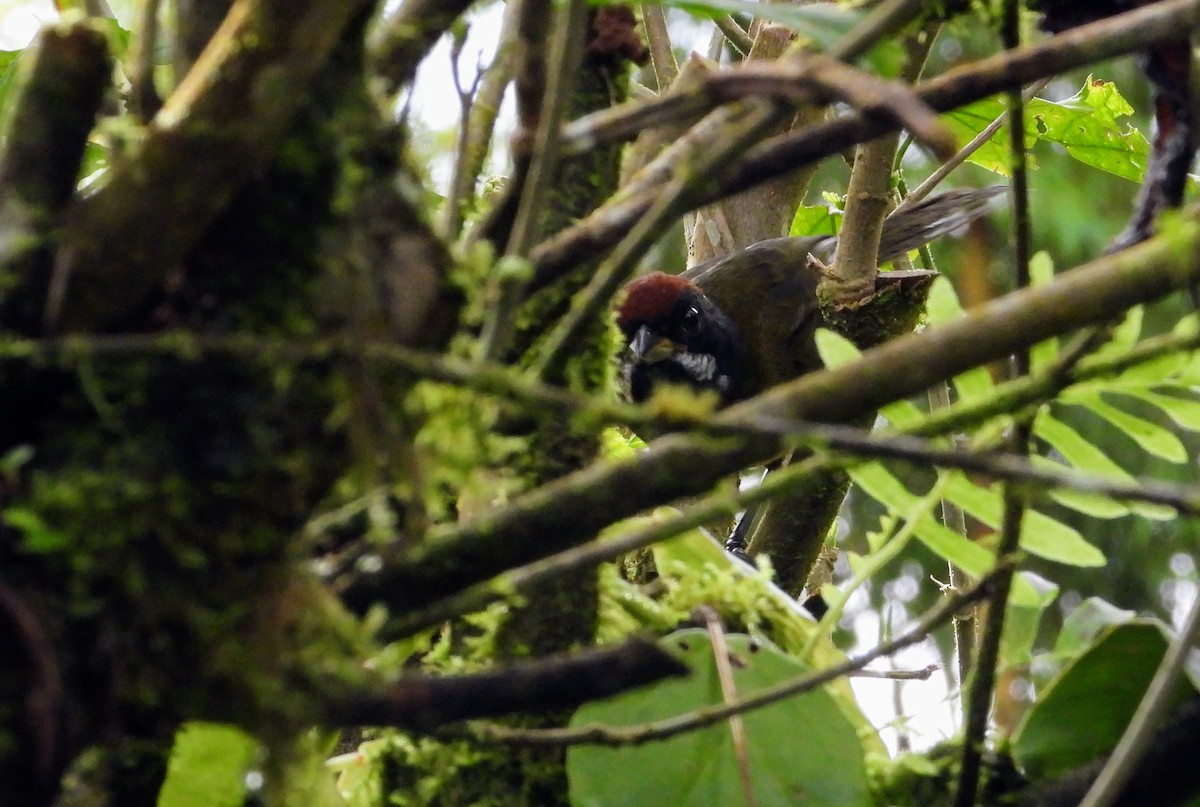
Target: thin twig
<point x="143" y="95"/>
<point x="662" y="56"/>
<point x="954" y="519"/>
<point x="700" y="718"/>
<point x="724" y="667"/>
<point x="923" y="674"/>
<point x="562" y="342"/>
<point x="565" y="681"/>
<point x="979" y="698"/>
<point x="463" y="173"/>
<point x="559" y="72"/>
<point x="734" y="33"/>
<point x="409" y="34"/>
<point x="930" y="183"/>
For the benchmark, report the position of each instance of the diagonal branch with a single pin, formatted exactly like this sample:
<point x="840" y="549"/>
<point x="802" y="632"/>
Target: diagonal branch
<point x="422" y="703"/>
<point x="201" y="147"/>
<point x="1113" y="37"/>
<point x="407" y="36"/>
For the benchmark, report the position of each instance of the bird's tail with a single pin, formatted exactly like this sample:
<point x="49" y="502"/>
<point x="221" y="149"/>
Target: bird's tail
<point x="911" y="227"/>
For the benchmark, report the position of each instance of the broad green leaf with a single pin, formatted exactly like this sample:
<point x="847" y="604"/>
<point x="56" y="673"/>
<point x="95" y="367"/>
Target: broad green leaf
<point x="208" y="766"/>
<point x="879" y="483"/>
<point x="1085" y="623"/>
<point x="1153" y="372"/>
<point x="824" y="761"/>
<point x="1086" y="126"/>
<point x="1022" y="620"/>
<point x="791" y="628"/>
<point x="1153" y="439"/>
<point x="1086" y="457"/>
<point x="970" y="120"/>
<point x="1088" y="706"/>
<point x="1040" y="534"/>
<point x="816" y="220"/>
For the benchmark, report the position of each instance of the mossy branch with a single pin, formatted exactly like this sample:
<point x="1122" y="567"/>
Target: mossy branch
<point x="61" y="87"/>
<point x="206" y="141"/>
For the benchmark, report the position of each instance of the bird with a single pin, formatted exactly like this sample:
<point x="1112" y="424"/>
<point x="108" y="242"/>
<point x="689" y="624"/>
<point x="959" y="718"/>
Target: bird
<point x="744" y="322"/>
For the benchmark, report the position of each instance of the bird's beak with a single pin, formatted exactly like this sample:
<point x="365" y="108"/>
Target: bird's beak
<point x="650" y="348"/>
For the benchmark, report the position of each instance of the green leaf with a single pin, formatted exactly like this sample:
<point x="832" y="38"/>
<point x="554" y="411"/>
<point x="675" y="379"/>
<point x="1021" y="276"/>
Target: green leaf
<point x="1040" y="534"/>
<point x="1041" y="273"/>
<point x="9" y="64"/>
<point x="1086" y="457"/>
<point x="208" y="766"/>
<point x="1022" y="620"/>
<point x="968" y="121"/>
<point x="1086" y="126"/>
<point x="1153" y="372"/>
<point x="1091" y="504"/>
<point x="824" y="761"/>
<point x="941" y="307"/>
<point x="1185" y="412"/>
<point x="835" y="349"/>
<point x="816" y="220"/>
<point x="36" y="535"/>
<point x="1088" y="706"/>
<point x="1152" y="438"/>
<point x="1124" y="335"/>
<point x="1085" y="623"/>
<point x="618" y="445"/>
<point x="879" y="483"/>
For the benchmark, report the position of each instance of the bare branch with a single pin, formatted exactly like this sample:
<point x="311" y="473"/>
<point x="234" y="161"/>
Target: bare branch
<point x="559" y="682"/>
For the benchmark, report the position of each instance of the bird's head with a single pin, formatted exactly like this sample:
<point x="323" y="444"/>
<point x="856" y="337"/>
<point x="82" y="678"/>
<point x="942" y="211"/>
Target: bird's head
<point x="676" y="335"/>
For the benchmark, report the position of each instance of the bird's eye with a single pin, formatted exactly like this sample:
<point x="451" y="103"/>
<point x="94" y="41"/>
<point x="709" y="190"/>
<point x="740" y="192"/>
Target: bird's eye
<point x="691" y="320"/>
